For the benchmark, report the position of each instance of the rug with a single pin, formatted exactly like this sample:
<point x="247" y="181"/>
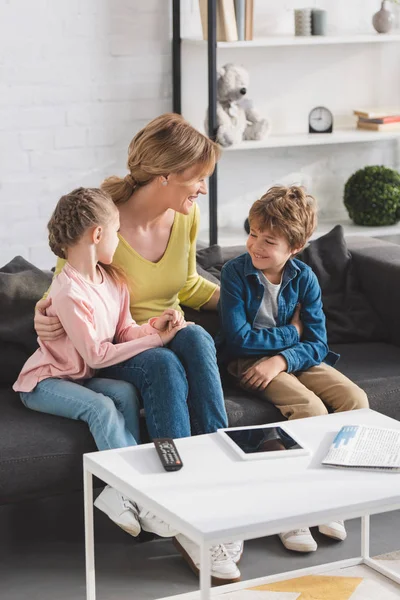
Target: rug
<point x="350" y="583"/>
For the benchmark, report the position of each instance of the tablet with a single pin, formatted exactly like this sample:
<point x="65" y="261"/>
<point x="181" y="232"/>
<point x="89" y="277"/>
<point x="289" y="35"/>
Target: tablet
<point x="263" y="441"/>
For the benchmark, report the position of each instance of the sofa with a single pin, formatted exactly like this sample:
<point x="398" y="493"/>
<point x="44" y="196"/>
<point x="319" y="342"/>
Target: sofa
<point x="41" y="455"/>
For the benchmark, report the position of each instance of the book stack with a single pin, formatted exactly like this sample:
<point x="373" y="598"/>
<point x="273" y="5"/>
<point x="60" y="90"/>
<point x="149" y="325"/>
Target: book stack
<point x="234" y="20"/>
<point x="379" y="119"/>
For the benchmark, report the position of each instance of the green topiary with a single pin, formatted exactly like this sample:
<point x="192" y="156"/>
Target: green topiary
<point x="372" y="196"/>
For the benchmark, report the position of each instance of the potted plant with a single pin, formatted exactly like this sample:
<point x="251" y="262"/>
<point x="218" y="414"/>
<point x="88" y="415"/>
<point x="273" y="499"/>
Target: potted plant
<point x="372" y="196"/>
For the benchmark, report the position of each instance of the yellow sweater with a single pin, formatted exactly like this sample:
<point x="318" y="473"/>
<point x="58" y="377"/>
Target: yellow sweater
<point x="172" y="281"/>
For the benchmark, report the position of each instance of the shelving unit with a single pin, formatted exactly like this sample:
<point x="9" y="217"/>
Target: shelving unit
<point x="237" y="236"/>
<point x="339" y="136"/>
<point x="303" y="41"/>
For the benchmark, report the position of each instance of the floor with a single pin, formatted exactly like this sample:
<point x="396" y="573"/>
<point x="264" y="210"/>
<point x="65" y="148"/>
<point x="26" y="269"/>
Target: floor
<point x="42" y="555"/>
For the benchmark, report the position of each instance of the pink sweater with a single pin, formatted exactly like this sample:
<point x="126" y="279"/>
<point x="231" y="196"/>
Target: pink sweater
<point x="100" y="331"/>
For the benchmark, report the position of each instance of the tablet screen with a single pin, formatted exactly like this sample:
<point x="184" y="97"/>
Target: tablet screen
<point x="263" y="439"/>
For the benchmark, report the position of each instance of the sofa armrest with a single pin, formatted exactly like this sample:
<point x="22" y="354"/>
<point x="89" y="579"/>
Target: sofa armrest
<point x="377" y="264"/>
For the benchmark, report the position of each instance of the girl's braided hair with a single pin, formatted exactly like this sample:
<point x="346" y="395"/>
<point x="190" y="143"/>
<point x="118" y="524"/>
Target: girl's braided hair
<point x="74" y="214"/>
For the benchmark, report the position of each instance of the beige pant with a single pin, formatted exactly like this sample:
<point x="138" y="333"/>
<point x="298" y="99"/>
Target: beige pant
<point x="307" y="393"/>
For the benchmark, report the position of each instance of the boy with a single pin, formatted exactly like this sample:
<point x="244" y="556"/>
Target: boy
<point x="273" y="337"/>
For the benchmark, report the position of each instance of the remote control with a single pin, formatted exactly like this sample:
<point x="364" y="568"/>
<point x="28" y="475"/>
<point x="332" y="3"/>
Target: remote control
<point x="168" y="454"/>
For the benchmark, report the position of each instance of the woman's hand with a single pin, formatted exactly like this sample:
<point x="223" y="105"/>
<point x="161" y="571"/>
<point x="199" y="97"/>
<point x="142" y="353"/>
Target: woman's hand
<point x="48" y="329"/>
<point x="168" y="320"/>
<point x="296" y="320"/>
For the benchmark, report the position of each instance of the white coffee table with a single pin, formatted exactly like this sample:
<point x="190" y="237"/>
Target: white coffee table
<point x="217" y="497"/>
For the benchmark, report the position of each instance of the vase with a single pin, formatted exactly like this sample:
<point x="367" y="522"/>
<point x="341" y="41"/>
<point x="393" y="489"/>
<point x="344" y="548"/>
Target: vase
<point x="383" y="19"/>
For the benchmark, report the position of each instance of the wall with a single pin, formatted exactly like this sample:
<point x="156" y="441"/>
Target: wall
<point x="285" y="83"/>
<point x="77" y="79"/>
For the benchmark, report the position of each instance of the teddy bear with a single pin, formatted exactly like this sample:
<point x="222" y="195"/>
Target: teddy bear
<point x="237" y="119"/>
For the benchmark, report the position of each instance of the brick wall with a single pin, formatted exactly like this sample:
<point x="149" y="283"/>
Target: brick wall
<point x="78" y="78"/>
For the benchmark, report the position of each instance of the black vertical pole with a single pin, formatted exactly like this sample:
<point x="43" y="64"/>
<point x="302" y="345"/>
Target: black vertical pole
<point x="212" y="113"/>
<point x="176" y="57"/>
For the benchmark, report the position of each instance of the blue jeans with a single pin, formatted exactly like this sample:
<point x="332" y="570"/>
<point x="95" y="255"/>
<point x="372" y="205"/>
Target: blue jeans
<point x="179" y="385"/>
<point x="109" y="407"/>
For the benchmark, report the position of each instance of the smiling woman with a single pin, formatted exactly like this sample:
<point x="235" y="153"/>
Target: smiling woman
<point x="179" y="385"/>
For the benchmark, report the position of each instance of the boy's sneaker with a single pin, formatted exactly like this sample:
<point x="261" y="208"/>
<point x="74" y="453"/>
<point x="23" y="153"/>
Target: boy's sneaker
<point x="334" y="529"/>
<point x="153" y="524"/>
<point x="299" y="540"/>
<point x="119" y="509"/>
<point x="235" y="550"/>
<point x="223" y="568"/>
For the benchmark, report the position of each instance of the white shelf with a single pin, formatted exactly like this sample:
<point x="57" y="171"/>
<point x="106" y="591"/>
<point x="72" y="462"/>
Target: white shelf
<point x="339" y="136"/>
<point x="292" y="40"/>
<point x="232" y="236"/>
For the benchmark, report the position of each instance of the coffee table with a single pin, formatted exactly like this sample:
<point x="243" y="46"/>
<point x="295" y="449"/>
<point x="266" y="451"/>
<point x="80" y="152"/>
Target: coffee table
<point x="218" y="497"/>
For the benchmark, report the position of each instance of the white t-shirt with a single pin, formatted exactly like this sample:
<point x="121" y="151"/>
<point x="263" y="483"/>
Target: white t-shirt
<point x="268" y="311"/>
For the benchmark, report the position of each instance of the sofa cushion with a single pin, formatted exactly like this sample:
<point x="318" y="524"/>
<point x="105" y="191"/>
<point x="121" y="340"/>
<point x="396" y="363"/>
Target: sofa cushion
<point x="40" y="454"/>
<point x="375" y="367"/>
<point x="21" y="286"/>
<point x="349" y="315"/>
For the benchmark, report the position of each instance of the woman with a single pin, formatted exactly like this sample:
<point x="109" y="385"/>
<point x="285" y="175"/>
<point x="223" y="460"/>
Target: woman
<point x="168" y="162"/>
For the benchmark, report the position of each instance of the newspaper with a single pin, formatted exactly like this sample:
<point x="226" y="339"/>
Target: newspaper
<point x="363" y="447"/>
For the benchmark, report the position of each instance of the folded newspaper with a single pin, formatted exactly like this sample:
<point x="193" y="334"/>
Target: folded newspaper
<point x="362" y="447"/>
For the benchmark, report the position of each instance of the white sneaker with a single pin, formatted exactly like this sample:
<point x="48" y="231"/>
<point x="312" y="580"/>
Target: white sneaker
<point x="235" y="550"/>
<point x="119" y="509"/>
<point x="299" y="540"/>
<point x="223" y="568"/>
<point x="334" y="529"/>
<point x="151" y="523"/>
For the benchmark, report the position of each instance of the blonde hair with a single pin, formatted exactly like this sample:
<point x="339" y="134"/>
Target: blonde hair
<point x="288" y="210"/>
<point x="74" y="214"/>
<point x="168" y="144"/>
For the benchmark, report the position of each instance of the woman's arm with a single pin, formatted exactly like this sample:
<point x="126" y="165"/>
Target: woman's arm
<point x="197" y="291"/>
<point x="213" y="301"/>
<point x="48" y="329"/>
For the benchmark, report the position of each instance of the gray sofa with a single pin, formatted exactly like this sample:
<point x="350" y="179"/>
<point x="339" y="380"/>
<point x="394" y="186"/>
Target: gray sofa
<point x="41" y="455"/>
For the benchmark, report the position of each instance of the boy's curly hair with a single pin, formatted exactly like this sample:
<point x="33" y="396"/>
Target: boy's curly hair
<point x="289" y="211"/>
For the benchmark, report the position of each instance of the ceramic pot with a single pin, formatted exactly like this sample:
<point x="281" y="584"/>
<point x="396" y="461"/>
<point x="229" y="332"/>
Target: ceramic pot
<point x="383" y="19"/>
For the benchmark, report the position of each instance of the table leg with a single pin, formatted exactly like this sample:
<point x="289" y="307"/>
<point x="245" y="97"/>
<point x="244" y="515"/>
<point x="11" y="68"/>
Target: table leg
<point x="365" y="536"/>
<point x="205" y="572"/>
<point x="89" y="535"/>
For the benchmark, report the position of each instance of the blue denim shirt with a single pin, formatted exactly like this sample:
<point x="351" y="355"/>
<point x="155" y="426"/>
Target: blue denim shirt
<point x="241" y="295"/>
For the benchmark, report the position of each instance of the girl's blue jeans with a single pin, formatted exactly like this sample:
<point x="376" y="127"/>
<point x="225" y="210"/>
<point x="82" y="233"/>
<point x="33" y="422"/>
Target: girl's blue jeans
<point x="179" y="387"/>
<point x="109" y="407"/>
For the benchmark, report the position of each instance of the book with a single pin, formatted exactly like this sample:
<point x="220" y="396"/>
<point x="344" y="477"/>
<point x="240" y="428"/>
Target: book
<point x="379" y="127"/>
<point x="249" y="20"/>
<point x="226" y="20"/>
<point x="381" y="121"/>
<point x="240" y="12"/>
<point x="227" y="8"/>
<point x="363" y="447"/>
<point x="377" y="113"/>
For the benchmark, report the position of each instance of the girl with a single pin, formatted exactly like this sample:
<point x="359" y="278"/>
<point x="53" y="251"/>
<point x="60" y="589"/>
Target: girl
<point x="91" y="300"/>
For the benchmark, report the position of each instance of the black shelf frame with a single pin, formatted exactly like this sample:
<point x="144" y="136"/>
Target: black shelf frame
<point x="212" y="94"/>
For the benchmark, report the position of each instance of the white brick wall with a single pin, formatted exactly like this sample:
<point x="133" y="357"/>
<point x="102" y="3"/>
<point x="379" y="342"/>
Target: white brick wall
<point x="78" y="78"/>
